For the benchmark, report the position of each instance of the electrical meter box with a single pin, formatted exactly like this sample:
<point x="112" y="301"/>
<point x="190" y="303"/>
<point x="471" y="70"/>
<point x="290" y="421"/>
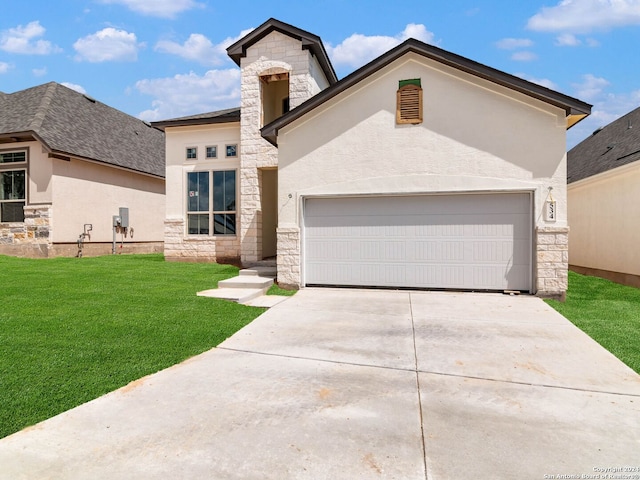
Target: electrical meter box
<point x="124" y="217"/>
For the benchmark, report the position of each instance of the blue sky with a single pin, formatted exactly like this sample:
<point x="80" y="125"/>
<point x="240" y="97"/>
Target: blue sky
<point x="160" y="59"/>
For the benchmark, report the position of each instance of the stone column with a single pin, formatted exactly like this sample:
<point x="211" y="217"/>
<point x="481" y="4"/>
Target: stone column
<point x="288" y="262"/>
<point x="552" y="256"/>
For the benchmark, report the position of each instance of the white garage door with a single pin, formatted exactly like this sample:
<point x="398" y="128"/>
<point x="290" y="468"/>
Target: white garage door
<point x="475" y="241"/>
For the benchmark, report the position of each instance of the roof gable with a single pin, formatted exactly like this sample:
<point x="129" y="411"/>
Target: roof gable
<point x="309" y="42"/>
<point x="69" y="123"/>
<point x="607" y="148"/>
<point x="575" y="109"/>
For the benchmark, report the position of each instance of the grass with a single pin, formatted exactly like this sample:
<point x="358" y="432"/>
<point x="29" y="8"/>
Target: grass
<point x="276" y="290"/>
<point x="608" y="312"/>
<point x="74" y="329"/>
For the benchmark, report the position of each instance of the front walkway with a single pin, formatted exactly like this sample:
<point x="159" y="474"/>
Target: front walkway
<point x="345" y="384"/>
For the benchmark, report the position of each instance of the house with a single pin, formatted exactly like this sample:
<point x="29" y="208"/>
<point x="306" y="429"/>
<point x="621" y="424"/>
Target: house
<point x="422" y="169"/>
<point x="603" y="174"/>
<point x="68" y="164"/>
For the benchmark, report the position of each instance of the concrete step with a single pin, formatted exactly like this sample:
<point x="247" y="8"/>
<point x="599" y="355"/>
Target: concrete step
<point x="260" y="271"/>
<point x="239" y="295"/>
<point x="246" y="281"/>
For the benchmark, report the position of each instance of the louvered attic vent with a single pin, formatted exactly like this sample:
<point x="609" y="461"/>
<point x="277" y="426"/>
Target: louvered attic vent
<point x="409" y="102"/>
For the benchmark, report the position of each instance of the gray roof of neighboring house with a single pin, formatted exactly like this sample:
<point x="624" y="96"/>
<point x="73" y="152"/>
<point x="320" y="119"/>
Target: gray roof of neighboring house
<point x="575" y="109"/>
<point x="70" y="124"/>
<point x="309" y="42"/>
<point x="229" y="115"/>
<point x="607" y="148"/>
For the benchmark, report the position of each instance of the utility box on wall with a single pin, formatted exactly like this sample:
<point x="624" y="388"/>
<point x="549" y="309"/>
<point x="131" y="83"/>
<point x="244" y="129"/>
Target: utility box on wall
<point x="124" y="217"/>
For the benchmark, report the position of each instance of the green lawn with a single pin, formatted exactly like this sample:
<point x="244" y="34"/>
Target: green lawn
<point x="606" y="311"/>
<point x="73" y="329"/>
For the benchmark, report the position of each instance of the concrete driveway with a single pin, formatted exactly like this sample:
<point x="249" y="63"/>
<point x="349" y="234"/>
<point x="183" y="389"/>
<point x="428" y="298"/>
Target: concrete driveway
<point x="362" y="384"/>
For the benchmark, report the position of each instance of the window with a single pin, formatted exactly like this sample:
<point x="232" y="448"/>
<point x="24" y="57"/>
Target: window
<point x="212" y="152"/>
<point x="232" y="151"/>
<point x="211" y="211"/>
<point x="13" y="186"/>
<point x="192" y="153"/>
<point x="409" y="102"/>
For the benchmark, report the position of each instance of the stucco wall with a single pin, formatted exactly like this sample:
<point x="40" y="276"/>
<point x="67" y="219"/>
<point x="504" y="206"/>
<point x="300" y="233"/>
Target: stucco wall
<point x="179" y="245"/>
<point x="85" y="192"/>
<point x="605" y="221"/>
<point x="476" y="136"/>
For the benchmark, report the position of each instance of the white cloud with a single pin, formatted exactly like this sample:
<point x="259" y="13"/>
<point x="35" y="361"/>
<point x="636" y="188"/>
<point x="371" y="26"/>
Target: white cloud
<point x="24" y="40"/>
<point x="592" y="42"/>
<point x="590" y="88"/>
<point x="106" y="45"/>
<point x="4" y="67"/>
<point x="39" y="72"/>
<point x="581" y="16"/>
<point x="157" y="8"/>
<point x="199" y="48"/>
<point x="73" y="86"/>
<point x="567" y="40"/>
<point x="545" y="82"/>
<point x="513" y="43"/>
<point x="359" y="49"/>
<point x="187" y="94"/>
<point x="524" y="56"/>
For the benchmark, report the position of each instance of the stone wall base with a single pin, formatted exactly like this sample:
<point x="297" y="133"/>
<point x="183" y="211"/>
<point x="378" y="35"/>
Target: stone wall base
<point x="618" y="277"/>
<point x="71" y="249"/>
<point x="288" y="260"/>
<point x="552" y="262"/>
<point x="180" y="248"/>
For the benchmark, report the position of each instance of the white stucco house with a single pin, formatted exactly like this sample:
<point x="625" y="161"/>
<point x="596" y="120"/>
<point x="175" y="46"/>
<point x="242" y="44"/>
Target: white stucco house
<point x="422" y="169"/>
<point x="603" y="194"/>
<point x="68" y="164"/>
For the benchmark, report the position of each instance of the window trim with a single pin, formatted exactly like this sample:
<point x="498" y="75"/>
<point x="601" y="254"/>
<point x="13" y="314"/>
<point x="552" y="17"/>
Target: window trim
<point x="22" y="166"/>
<point x="206" y="151"/>
<point x="211" y="212"/>
<point x="186" y="153"/>
<point x="226" y="150"/>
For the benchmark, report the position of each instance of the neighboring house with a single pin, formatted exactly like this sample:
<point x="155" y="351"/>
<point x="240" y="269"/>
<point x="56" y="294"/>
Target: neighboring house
<point x="603" y="172"/>
<point x="422" y="169"/>
<point x="68" y="161"/>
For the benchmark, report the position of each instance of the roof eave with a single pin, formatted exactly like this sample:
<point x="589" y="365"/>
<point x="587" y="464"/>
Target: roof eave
<point x="575" y="109"/>
<point x="161" y="125"/>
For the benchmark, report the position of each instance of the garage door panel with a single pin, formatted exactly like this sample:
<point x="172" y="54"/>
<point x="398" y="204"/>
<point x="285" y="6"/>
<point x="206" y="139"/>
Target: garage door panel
<point x="444" y="241"/>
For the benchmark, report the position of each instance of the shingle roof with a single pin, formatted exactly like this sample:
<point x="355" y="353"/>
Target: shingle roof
<point x="69" y="123"/>
<point x="229" y="115"/>
<point x="607" y="148"/>
<point x="575" y="109"/>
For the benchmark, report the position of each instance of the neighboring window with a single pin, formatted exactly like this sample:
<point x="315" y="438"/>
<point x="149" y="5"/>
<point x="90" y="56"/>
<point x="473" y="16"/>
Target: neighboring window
<point x="232" y="151"/>
<point x="211" y="211"/>
<point x="212" y="152"/>
<point x="192" y="153"/>
<point x="13" y="157"/>
<point x="13" y="186"/>
<point x="409" y="102"/>
<point x="285" y="105"/>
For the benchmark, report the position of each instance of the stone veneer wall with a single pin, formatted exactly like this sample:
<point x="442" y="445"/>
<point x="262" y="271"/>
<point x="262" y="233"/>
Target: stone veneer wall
<point x="552" y="256"/>
<point x="29" y="238"/>
<point x="178" y="247"/>
<point x="288" y="261"/>
<point x="275" y="51"/>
